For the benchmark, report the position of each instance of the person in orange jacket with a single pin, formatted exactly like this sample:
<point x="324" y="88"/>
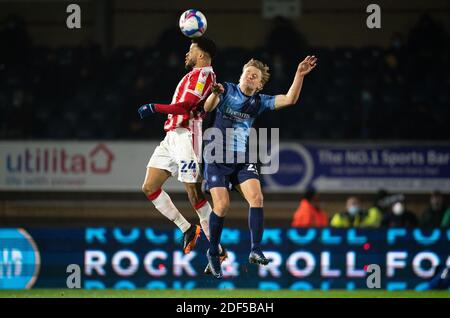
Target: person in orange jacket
<point x="309" y="213"/>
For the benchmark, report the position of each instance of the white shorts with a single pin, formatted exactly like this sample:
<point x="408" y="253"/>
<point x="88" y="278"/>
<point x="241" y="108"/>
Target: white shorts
<point x="176" y="154"/>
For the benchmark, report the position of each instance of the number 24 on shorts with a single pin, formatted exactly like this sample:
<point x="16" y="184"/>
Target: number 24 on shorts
<point x="185" y="166"/>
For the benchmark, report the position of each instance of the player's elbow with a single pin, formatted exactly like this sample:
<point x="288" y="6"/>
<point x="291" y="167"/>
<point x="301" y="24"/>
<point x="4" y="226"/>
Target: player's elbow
<point x="291" y="101"/>
<point x="188" y="105"/>
<point x="287" y="101"/>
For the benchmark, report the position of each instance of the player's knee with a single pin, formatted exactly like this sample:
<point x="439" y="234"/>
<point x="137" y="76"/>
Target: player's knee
<point x="256" y="200"/>
<point x="148" y="189"/>
<point x="221" y="207"/>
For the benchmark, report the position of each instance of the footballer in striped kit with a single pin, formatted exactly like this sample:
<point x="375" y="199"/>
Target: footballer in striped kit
<point x="178" y="154"/>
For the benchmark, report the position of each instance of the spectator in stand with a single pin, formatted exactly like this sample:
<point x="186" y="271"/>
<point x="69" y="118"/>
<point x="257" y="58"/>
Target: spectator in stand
<point x="309" y="213"/>
<point x="433" y="216"/>
<point x="353" y="216"/>
<point x="399" y="216"/>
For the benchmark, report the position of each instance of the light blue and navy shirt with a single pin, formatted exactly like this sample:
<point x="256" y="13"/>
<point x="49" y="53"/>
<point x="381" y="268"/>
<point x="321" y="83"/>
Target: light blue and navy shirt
<point x="237" y="110"/>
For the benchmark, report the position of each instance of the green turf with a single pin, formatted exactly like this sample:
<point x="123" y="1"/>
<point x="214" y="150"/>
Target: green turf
<point x="214" y="293"/>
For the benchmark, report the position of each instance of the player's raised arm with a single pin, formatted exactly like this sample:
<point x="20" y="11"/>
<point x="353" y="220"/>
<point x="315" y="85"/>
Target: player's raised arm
<point x="306" y="66"/>
<point x="213" y="100"/>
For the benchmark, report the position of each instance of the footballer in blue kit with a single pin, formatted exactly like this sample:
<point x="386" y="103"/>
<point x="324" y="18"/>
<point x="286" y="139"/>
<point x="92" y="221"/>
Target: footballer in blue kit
<point x="237" y="111"/>
<point x="237" y="107"/>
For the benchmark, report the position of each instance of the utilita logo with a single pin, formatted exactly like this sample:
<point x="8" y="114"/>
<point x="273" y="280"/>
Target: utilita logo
<point x="59" y="160"/>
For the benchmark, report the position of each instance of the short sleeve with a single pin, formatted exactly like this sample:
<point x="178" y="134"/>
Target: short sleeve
<point x="267" y="102"/>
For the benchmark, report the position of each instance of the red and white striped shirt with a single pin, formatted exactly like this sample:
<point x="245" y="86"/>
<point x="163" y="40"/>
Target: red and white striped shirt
<point x="194" y="87"/>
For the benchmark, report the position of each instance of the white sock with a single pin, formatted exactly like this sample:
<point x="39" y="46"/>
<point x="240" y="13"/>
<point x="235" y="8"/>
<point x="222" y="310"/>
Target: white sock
<point x="203" y="213"/>
<point x="164" y="204"/>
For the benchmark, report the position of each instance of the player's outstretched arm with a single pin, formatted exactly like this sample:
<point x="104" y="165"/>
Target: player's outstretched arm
<point x="181" y="108"/>
<point x="305" y="66"/>
<point x="213" y="99"/>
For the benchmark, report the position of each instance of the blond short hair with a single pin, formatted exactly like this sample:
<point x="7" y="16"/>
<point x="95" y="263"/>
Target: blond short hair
<point x="260" y="66"/>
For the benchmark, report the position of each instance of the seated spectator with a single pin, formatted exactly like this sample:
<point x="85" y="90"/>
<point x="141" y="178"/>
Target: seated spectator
<point x="433" y="216"/>
<point x="350" y="217"/>
<point x="353" y="216"/>
<point x="399" y="216"/>
<point x="309" y="213"/>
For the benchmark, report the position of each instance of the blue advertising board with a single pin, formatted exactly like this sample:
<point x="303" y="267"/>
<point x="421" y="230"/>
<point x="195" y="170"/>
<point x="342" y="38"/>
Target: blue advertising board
<point x="152" y="258"/>
<point x="361" y="168"/>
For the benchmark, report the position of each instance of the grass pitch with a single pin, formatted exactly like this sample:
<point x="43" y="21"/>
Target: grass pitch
<point x="214" y="293"/>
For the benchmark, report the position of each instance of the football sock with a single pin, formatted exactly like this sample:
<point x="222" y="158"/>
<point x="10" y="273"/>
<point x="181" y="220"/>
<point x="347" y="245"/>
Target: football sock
<point x="204" y="209"/>
<point x="215" y="230"/>
<point x="256" y="226"/>
<point x="164" y="204"/>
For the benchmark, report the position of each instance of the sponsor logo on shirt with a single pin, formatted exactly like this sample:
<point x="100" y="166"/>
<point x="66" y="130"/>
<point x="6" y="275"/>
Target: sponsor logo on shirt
<point x="237" y="114"/>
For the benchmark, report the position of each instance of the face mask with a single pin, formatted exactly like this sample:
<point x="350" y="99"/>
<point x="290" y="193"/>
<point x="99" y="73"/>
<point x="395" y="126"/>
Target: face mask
<point x="398" y="208"/>
<point x="353" y="210"/>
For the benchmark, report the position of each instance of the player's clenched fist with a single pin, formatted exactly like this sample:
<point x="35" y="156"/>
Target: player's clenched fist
<point x="146" y="110"/>
<point x="217" y="89"/>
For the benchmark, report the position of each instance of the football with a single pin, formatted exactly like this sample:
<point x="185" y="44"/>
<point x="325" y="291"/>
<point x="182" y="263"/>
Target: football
<point x="193" y="23"/>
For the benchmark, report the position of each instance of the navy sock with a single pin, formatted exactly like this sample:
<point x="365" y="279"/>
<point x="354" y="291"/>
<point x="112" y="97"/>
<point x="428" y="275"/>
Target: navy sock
<point x="256" y="225"/>
<point x="215" y="232"/>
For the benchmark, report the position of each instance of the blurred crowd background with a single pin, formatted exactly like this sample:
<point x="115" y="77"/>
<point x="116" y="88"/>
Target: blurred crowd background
<point x="89" y="90"/>
<point x="386" y="210"/>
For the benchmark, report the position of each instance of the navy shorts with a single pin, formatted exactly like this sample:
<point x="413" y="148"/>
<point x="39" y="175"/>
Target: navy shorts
<point x="229" y="175"/>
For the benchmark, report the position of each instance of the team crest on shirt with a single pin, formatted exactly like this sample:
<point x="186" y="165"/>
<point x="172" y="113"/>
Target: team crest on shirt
<point x="203" y="76"/>
<point x="252" y="167"/>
